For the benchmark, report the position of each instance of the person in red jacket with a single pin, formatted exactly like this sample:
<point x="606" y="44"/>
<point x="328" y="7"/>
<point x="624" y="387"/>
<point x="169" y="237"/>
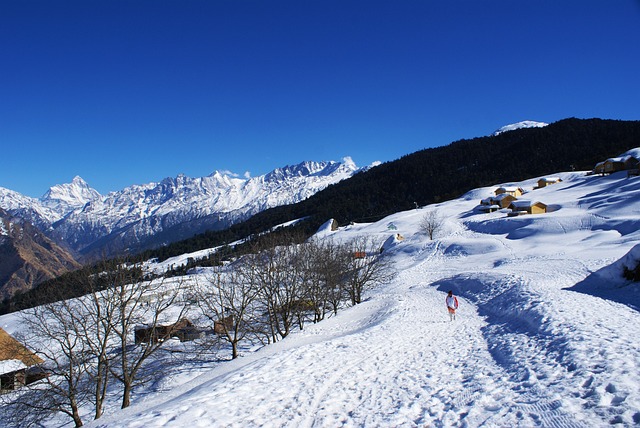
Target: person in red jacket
<point x="452" y="305"/>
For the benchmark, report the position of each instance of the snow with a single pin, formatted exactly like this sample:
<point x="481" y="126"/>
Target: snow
<point x="546" y="334"/>
<point x="8" y="366"/>
<point x="520" y="125"/>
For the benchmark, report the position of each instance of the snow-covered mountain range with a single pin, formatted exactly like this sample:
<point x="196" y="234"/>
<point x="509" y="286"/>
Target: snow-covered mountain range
<point x="151" y="214"/>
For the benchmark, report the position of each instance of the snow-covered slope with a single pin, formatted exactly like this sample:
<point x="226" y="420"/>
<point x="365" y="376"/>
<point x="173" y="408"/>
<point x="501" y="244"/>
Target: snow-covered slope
<point x="520" y="125"/>
<point x="546" y="335"/>
<point x="87" y="221"/>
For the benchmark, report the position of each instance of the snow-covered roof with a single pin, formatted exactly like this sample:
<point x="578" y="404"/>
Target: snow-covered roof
<point x="490" y="207"/>
<point x="550" y="179"/>
<point x="502" y="196"/>
<point x="510" y="188"/>
<point x="632" y="153"/>
<point x="12" y="350"/>
<point x="8" y="366"/>
<point x="522" y="203"/>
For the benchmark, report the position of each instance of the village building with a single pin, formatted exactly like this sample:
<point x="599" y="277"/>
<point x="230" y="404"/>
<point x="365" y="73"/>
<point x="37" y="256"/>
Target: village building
<point x="611" y="165"/>
<point x="599" y="168"/>
<point x="632" y="165"/>
<point x="488" y="207"/>
<point x="15" y="363"/>
<point x="495" y="203"/>
<point x="183" y="330"/>
<point x="614" y="165"/>
<point x="503" y="200"/>
<point x="520" y="207"/>
<point x="547" y="181"/>
<point x="510" y="190"/>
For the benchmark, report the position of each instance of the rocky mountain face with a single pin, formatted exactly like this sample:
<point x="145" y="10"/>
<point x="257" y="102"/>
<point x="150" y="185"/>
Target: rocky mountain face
<point x="144" y="216"/>
<point x="27" y="256"/>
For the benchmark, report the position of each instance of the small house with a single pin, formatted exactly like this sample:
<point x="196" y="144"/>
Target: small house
<point x="15" y="362"/>
<point x="631" y="162"/>
<point x="503" y="200"/>
<point x="599" y="168"/>
<point x="223" y="325"/>
<point x="529" y="207"/>
<point x="183" y="330"/>
<point x="612" y="165"/>
<point x="510" y="190"/>
<point x="547" y="181"/>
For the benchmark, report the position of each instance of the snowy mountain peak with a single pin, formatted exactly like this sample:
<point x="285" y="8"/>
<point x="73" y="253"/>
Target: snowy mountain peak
<point x="309" y="169"/>
<point x="349" y="163"/>
<point x="520" y="125"/>
<point x="180" y="206"/>
<point x="69" y="196"/>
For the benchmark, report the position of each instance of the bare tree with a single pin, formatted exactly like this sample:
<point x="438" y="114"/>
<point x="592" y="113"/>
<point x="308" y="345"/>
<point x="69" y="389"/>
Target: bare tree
<point x="73" y="337"/>
<point x="326" y="265"/>
<point x="54" y="332"/>
<point x="276" y="276"/>
<point x="97" y="332"/>
<point x="86" y="341"/>
<point x="431" y="223"/>
<point x="274" y="268"/>
<point x="137" y="301"/>
<point x="228" y="301"/>
<point x="366" y="267"/>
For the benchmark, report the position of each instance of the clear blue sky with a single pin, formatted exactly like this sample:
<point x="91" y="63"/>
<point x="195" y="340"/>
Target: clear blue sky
<point x="129" y="92"/>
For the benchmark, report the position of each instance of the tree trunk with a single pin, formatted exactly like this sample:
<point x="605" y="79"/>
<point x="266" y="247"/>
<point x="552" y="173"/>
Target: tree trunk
<point x="75" y="414"/>
<point x="234" y="350"/>
<point x="126" y="395"/>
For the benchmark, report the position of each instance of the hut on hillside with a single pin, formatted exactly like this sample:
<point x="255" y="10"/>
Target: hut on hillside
<point x="547" y="181"/>
<point x="527" y="207"/>
<point x="503" y="200"/>
<point x="183" y="330"/>
<point x="622" y="163"/>
<point x="510" y="190"/>
<point x="495" y="203"/>
<point x="15" y="363"/>
<point x="614" y="165"/>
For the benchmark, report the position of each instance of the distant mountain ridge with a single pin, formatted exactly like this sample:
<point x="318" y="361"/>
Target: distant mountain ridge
<point x="141" y="216"/>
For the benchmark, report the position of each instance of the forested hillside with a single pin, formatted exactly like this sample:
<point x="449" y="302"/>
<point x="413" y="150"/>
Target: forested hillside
<point x="439" y="174"/>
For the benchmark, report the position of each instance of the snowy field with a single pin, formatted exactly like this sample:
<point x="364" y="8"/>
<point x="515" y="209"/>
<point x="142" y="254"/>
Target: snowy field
<point x="546" y="335"/>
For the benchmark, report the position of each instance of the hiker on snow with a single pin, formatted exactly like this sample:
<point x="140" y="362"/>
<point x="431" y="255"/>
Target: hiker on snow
<point x="452" y="305"/>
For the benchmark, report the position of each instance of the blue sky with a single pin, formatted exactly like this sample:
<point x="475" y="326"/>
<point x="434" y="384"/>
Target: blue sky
<point x="129" y="92"/>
